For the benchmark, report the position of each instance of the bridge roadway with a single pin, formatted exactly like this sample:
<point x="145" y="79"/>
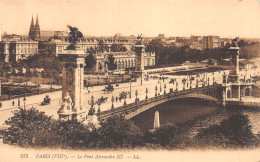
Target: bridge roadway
<point x="212" y="93"/>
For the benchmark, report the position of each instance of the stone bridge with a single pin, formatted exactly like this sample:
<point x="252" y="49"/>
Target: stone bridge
<point x="212" y="93"/>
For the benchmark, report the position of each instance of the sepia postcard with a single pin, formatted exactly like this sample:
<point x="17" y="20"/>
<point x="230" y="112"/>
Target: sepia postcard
<point x="130" y="80"/>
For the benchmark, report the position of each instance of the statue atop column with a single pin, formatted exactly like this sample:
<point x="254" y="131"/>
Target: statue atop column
<point x="74" y="36"/>
<point x="139" y="40"/>
<point x="234" y="42"/>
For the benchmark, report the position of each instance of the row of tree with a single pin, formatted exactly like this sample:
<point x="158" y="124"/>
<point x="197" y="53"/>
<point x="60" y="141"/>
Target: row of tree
<point x="29" y="127"/>
<point x="170" y="54"/>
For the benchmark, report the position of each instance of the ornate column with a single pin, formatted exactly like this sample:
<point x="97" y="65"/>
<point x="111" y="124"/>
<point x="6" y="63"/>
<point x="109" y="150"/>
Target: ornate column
<point x="73" y="62"/>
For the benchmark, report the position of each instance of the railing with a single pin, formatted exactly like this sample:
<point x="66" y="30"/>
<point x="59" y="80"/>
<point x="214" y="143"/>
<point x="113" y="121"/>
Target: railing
<point x="134" y="106"/>
<point x="3" y="98"/>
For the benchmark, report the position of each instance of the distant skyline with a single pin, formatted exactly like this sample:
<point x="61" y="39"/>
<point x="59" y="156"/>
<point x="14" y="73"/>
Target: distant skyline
<point x="226" y="18"/>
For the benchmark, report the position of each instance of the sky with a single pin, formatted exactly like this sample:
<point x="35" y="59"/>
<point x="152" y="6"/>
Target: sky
<point x="226" y="18"/>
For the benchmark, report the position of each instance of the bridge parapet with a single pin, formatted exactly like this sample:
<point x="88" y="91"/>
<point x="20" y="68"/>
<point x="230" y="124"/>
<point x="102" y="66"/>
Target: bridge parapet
<point x="212" y="93"/>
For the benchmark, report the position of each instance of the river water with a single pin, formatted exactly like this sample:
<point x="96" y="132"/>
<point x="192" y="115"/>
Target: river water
<point x="194" y="114"/>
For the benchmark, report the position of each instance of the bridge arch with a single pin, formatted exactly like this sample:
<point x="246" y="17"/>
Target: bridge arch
<point x="190" y="95"/>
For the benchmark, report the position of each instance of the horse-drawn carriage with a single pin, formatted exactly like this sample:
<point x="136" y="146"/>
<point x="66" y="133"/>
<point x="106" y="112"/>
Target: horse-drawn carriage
<point x="102" y="99"/>
<point x="46" y="100"/>
<point x="108" y="88"/>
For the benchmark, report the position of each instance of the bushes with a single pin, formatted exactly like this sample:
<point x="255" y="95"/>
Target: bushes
<point x="167" y="136"/>
<point x="33" y="128"/>
<point x="30" y="128"/>
<point x="117" y="132"/>
<point x="232" y="132"/>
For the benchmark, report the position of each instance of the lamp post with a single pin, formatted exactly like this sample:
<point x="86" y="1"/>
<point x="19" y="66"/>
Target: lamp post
<point x="24" y="100"/>
<point x="92" y="102"/>
<point x="50" y="86"/>
<point x="130" y="89"/>
<point x="164" y="88"/>
<point x="146" y="91"/>
<point x="19" y="101"/>
<point x="38" y="88"/>
<point x="183" y="81"/>
<point x="112" y="100"/>
<point x="160" y="86"/>
<point x="125" y="102"/>
<point x="155" y="90"/>
<point x="136" y="93"/>
<point x="99" y="103"/>
<point x="88" y="80"/>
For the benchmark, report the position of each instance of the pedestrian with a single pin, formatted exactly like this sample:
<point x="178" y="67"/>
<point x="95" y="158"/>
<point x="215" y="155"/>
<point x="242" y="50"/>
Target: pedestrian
<point x="116" y="98"/>
<point x="0" y="104"/>
<point x="120" y="99"/>
<point x="19" y="102"/>
<point x="13" y="103"/>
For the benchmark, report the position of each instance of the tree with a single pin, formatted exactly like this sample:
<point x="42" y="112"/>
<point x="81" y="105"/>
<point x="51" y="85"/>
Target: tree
<point x="29" y="127"/>
<point x="90" y="61"/>
<point x="118" y="48"/>
<point x="165" y="136"/>
<point x="28" y="72"/>
<point x="111" y="62"/>
<point x="118" y="132"/>
<point x="102" y="47"/>
<point x="232" y="132"/>
<point x="73" y="133"/>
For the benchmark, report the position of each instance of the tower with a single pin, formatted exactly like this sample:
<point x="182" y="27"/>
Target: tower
<point x="37" y="29"/>
<point x="31" y="32"/>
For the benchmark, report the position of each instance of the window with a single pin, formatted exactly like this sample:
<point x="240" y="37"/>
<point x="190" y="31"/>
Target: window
<point x="247" y="92"/>
<point x="228" y="94"/>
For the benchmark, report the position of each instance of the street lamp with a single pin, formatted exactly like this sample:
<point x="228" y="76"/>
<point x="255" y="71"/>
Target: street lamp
<point x="136" y="93"/>
<point x="92" y="109"/>
<point x="112" y="100"/>
<point x="99" y="103"/>
<point x="24" y="100"/>
<point x="155" y="90"/>
<point x="183" y="81"/>
<point x="38" y="88"/>
<point x="50" y="86"/>
<point x="160" y="86"/>
<point x="146" y="91"/>
<point x="88" y="80"/>
<point x="19" y="101"/>
<point x="125" y="101"/>
<point x="164" y="88"/>
<point x="130" y="89"/>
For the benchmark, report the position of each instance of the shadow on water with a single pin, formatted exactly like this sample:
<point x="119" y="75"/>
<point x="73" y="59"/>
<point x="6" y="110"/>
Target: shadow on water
<point x="193" y="114"/>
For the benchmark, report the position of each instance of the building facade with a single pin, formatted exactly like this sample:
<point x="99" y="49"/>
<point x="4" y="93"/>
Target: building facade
<point x="15" y="50"/>
<point x="211" y="42"/>
<point x="123" y="60"/>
